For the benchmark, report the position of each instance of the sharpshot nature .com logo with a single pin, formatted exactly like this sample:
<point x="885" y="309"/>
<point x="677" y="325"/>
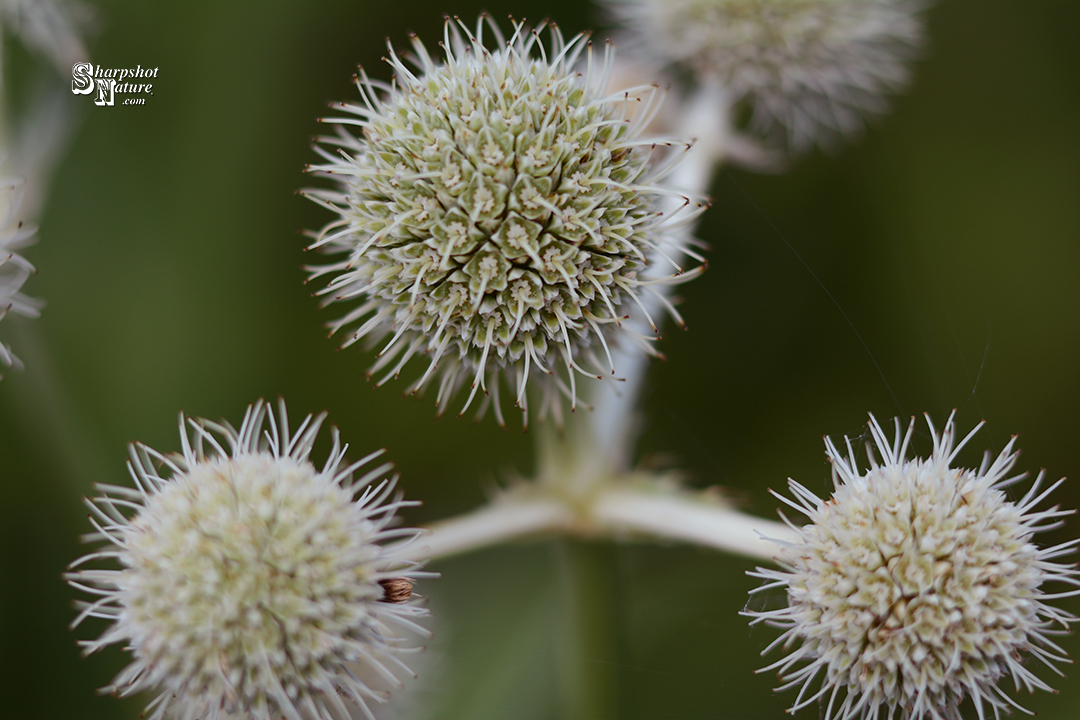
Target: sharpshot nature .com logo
<point x="110" y="82"/>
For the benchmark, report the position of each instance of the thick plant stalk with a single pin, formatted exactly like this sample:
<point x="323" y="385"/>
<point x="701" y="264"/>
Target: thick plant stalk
<point x="586" y="636"/>
<point x="612" y="423"/>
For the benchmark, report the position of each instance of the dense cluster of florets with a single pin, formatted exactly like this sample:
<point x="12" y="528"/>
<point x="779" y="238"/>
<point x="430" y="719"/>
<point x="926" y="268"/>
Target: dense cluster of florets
<point x="810" y="68"/>
<point x="250" y="583"/>
<point x="916" y="584"/>
<point x="498" y="213"/>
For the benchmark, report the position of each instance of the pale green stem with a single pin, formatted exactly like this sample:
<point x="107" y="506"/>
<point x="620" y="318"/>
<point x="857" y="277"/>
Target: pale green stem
<point x="585" y="636"/>
<point x="609" y="430"/>
<point x="615" y="511"/>
<point x="687" y="518"/>
<point x="506" y="519"/>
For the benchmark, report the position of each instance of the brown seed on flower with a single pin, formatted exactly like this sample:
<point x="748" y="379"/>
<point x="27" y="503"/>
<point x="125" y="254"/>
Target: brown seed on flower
<point x="396" y="590"/>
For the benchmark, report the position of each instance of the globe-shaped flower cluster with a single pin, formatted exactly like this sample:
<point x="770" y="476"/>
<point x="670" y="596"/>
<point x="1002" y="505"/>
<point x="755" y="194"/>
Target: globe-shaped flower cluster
<point x="498" y="213"/>
<point x="917" y="584"/>
<point x="251" y="583"/>
<point x="810" y="69"/>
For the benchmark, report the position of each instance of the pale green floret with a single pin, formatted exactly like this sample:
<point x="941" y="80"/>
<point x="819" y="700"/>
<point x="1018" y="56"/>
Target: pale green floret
<point x="916" y="584"/>
<point x="497" y="214"/>
<point x="809" y="68"/>
<point x="249" y="580"/>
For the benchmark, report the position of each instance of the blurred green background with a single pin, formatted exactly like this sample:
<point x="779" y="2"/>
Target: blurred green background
<point x="935" y="264"/>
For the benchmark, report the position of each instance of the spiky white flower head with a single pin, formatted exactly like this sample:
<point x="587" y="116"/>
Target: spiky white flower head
<point x="498" y="213"/>
<point x="809" y="69"/>
<point x="14" y="268"/>
<point x="251" y="583"/>
<point x="917" y="584"/>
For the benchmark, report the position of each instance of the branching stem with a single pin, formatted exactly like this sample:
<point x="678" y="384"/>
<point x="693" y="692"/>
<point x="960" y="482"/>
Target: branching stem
<point x="634" y="508"/>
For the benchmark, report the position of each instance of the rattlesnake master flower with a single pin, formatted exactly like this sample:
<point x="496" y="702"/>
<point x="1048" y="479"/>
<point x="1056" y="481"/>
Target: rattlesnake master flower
<point x="917" y="584"/>
<point x="809" y="69"/>
<point x="251" y="583"/>
<point x="498" y="213"/>
<point x="14" y="268"/>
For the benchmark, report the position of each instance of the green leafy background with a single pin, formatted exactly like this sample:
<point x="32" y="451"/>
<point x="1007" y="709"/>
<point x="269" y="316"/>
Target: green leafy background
<point x="935" y="264"/>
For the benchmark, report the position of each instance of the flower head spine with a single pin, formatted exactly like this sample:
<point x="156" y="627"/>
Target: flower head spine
<point x="498" y="214"/>
<point x="917" y="584"/>
<point x="250" y="581"/>
<point x="14" y="268"/>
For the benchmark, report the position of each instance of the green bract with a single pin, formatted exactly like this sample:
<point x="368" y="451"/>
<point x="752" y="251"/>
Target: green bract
<point x="498" y="213"/>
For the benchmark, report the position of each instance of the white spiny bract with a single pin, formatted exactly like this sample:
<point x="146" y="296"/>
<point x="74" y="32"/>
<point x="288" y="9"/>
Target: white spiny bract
<point x="917" y="584"/>
<point x="14" y="268"/>
<point x="809" y="69"/>
<point x="498" y="214"/>
<point x="249" y="580"/>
